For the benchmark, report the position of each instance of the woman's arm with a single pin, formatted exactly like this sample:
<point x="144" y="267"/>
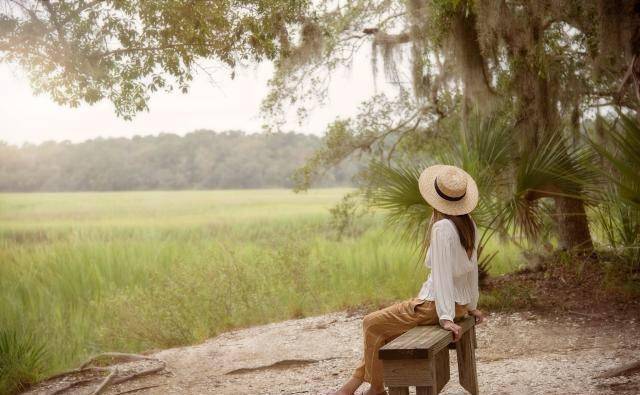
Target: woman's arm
<point x="441" y="260"/>
<point x="473" y="304"/>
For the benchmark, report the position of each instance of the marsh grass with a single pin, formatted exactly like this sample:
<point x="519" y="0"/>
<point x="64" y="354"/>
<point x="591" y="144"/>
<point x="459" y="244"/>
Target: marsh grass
<point x="83" y="273"/>
<point x="87" y="272"/>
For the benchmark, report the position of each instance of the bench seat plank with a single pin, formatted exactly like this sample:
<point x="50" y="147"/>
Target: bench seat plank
<point x="421" y="342"/>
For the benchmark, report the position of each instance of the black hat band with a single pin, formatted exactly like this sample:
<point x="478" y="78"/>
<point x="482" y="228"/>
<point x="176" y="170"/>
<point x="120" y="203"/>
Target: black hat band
<point x="444" y="195"/>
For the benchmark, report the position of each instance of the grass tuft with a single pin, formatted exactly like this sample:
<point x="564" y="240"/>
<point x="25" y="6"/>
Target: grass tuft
<point x="23" y="359"/>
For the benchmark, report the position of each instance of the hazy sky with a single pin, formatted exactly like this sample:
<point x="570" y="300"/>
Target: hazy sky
<point x="221" y="105"/>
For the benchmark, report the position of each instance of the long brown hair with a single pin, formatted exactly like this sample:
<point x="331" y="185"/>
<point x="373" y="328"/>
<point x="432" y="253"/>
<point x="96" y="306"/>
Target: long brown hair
<point x="464" y="226"/>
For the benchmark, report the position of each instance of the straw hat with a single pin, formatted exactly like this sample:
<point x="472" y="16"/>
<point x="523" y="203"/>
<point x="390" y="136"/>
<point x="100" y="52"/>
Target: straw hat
<point x="448" y="189"/>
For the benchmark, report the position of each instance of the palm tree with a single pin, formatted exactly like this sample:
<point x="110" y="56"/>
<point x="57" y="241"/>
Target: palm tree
<point x="512" y="188"/>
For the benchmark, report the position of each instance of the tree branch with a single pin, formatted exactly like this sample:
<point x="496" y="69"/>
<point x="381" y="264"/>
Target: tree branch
<point x="53" y="16"/>
<point x="625" y="370"/>
<point x="121" y="51"/>
<point x="402" y="136"/>
<point x="380" y="37"/>
<point x="80" y="10"/>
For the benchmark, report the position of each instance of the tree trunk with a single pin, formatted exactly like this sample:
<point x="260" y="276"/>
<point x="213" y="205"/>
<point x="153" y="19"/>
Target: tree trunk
<point x="573" y="228"/>
<point x="470" y="60"/>
<point x="539" y="121"/>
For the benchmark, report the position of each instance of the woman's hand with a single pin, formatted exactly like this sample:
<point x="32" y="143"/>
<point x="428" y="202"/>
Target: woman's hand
<point x="455" y="329"/>
<point x="480" y="318"/>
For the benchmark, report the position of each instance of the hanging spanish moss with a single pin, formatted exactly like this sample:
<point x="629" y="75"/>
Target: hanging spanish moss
<point x="310" y="48"/>
<point x="469" y="59"/>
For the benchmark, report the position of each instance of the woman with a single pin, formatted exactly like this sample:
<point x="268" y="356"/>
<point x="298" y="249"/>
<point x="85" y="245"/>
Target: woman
<point x="450" y="292"/>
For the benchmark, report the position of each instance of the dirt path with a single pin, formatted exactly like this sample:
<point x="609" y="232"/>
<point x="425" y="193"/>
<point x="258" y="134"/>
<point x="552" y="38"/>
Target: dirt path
<point x="517" y="353"/>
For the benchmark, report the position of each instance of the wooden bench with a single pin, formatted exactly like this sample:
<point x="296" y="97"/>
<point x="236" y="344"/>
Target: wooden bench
<point x="420" y="358"/>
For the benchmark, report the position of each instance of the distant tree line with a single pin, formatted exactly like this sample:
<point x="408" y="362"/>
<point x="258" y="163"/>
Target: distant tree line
<point x="199" y="160"/>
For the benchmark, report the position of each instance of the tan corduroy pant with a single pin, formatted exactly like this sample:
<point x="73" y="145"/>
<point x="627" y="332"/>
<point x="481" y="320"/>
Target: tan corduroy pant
<point x="382" y="326"/>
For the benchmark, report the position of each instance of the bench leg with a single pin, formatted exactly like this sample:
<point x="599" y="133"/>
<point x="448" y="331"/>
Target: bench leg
<point x="443" y="371"/>
<point x="467" y="362"/>
<point x="398" y="390"/>
<point x="440" y="373"/>
<point x="475" y="339"/>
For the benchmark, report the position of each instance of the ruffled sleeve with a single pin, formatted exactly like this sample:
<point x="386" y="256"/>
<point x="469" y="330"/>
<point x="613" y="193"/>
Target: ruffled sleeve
<point x="441" y="259"/>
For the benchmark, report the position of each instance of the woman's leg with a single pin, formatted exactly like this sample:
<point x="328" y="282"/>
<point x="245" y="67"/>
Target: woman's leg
<point x="384" y="325"/>
<point x="350" y="387"/>
<point x="379" y="328"/>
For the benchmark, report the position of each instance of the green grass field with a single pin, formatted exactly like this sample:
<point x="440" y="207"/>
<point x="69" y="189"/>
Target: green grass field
<point x="82" y="273"/>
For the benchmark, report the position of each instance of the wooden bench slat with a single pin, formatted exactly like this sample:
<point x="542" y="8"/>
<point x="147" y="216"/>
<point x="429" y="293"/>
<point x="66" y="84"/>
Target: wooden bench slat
<point x="421" y="342"/>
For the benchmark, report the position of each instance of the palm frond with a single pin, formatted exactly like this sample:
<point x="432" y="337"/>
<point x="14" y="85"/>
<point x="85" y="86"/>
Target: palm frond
<point x="487" y="144"/>
<point x="619" y="223"/>
<point x="395" y="190"/>
<point x="618" y="214"/>
<point x="624" y="157"/>
<point x="486" y="152"/>
<point x="554" y="169"/>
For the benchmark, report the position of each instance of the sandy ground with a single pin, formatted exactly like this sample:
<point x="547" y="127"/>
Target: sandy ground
<point x="518" y="353"/>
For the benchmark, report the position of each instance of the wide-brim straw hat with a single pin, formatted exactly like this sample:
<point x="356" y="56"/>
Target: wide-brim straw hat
<point x="448" y="189"/>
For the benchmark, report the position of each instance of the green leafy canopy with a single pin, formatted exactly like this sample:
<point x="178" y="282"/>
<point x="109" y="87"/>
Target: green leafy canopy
<point x="123" y="50"/>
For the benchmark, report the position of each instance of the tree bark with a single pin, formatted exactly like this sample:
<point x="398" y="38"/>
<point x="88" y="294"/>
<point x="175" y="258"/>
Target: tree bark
<point x="470" y="60"/>
<point x="573" y="227"/>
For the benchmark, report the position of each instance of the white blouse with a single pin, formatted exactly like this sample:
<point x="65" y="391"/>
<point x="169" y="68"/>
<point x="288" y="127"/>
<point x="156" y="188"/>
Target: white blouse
<point x="453" y="277"/>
